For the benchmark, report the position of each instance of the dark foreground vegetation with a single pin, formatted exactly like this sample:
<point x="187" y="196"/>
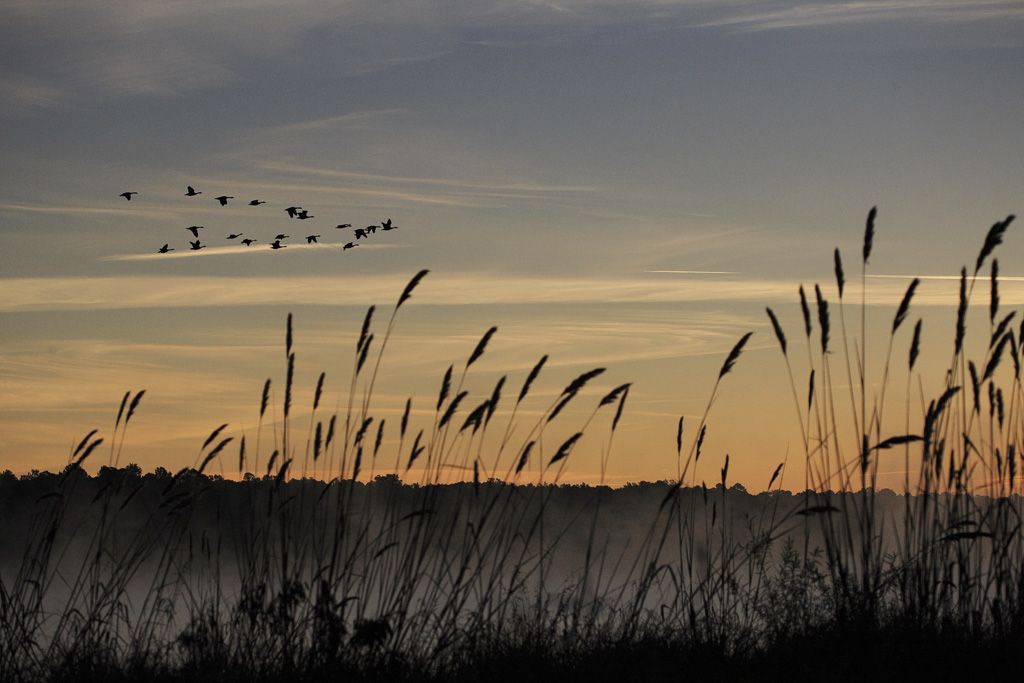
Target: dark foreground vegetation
<point x="314" y="567"/>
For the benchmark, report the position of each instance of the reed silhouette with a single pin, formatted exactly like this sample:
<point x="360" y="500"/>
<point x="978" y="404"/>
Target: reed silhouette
<point x="350" y="549"/>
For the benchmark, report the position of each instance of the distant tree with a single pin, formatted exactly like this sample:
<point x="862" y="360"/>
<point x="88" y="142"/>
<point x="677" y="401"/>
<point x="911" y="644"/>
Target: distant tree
<point x="132" y="471"/>
<point x="161" y="473"/>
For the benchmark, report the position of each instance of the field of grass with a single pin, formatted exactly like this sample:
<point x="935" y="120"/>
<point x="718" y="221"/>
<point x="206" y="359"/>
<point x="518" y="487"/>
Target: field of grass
<point x="313" y="568"/>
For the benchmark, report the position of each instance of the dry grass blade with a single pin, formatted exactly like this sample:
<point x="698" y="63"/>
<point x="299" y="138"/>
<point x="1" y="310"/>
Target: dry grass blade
<point x="134" y="405"/>
<point x="621" y="406"/>
<point x="993" y="301"/>
<point x="915" y="345"/>
<point x="452" y="407"/>
<point x="492" y="402"/>
<point x="734" y="355"/>
<point x="78" y="462"/>
<point x="319" y="390"/>
<point x="975" y="385"/>
<point x="120" y="411"/>
<point x="364" y="352"/>
<point x="215" y="452"/>
<point x="213" y="435"/>
<point x="893" y="441"/>
<point x="524" y="457"/>
<point x="241" y="455"/>
<point x="1001" y="328"/>
<point x="779" y="334"/>
<point x="904" y="307"/>
<point x="996" y="357"/>
<point x="534" y="372"/>
<point x="288" y="337"/>
<point x="806" y="311"/>
<point x="869" y="234"/>
<point x="405" y="417"/>
<point x="379" y="438"/>
<point x="961" y="312"/>
<point x="85" y="440"/>
<point x="992" y="240"/>
<point x="725" y="470"/>
<point x="565" y="448"/>
<point x="446" y="386"/>
<point x="416" y="450"/>
<point x="330" y="431"/>
<point x="265" y="400"/>
<point x="481" y="346"/>
<point x="823" y="318"/>
<point x="289" y="380"/>
<point x="679" y="436"/>
<point x="840" y="276"/>
<point x="613" y="395"/>
<point x="775" y="475"/>
<point x="365" y="330"/>
<point x="413" y="283"/>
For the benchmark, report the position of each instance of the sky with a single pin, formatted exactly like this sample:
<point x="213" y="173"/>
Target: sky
<point x="618" y="185"/>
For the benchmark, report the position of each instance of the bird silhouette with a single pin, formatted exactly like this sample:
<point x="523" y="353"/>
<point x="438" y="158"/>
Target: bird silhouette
<point x="196" y="246"/>
<point x="311" y="239"/>
<point x="359" y="233"/>
<point x="386" y="224"/>
<point x="191" y="192"/>
<point x="303" y="215"/>
<point x="292" y="211"/>
<point x="234" y="235"/>
<point x="127" y="195"/>
<point x="371" y="229"/>
<point x="164" y="249"/>
<point x="248" y="241"/>
<point x="277" y="245"/>
<point x="282" y="236"/>
<point x="343" y="226"/>
<point x="349" y="245"/>
<point x="195" y="230"/>
<point x="256" y="202"/>
<point x="223" y="199"/>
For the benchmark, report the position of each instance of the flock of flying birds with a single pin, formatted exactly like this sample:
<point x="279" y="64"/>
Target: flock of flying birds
<point x="295" y="212"/>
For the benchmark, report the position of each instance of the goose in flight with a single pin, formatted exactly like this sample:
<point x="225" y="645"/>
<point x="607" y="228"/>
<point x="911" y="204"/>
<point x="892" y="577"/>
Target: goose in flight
<point x="164" y="249"/>
<point x="281" y="236"/>
<point x="247" y="242"/>
<point x="196" y="246"/>
<point x="127" y="195"/>
<point x="303" y="215"/>
<point x="277" y="245"/>
<point x="234" y="235"/>
<point x="359" y="233"/>
<point x="342" y="226"/>
<point x="292" y="211"/>
<point x="370" y="229"/>
<point x="311" y="239"/>
<point x="191" y="191"/>
<point x="386" y="225"/>
<point x="256" y="202"/>
<point x="223" y="199"/>
<point x="349" y="245"/>
<point x="195" y="230"/>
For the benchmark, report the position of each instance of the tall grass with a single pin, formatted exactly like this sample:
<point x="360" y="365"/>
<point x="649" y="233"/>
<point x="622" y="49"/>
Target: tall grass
<point x="313" y="564"/>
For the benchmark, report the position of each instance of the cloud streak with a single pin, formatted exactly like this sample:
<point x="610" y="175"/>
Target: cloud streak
<point x="97" y="293"/>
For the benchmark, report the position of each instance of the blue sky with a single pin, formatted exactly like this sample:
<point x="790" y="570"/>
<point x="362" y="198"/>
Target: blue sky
<point x="542" y="159"/>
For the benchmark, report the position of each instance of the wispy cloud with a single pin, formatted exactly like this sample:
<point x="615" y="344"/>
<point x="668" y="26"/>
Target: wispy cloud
<point x="795" y="15"/>
<point x="28" y="294"/>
